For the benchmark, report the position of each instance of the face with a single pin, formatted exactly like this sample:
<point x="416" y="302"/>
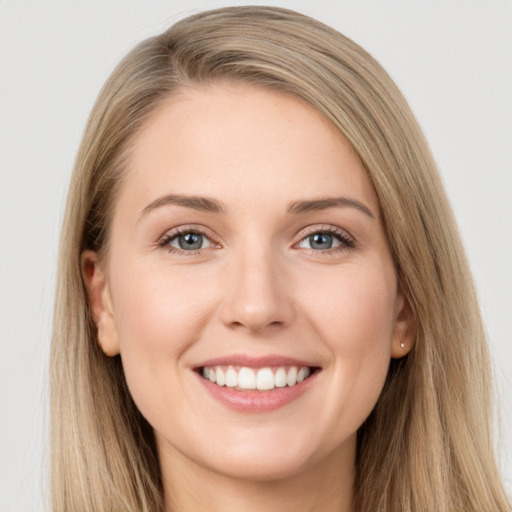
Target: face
<point x="249" y="287"/>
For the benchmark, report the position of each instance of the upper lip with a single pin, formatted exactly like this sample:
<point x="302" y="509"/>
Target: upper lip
<point x="255" y="361"/>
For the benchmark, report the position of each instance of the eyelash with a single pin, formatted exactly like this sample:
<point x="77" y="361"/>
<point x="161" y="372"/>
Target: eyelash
<point x="346" y="241"/>
<point x="164" y="243"/>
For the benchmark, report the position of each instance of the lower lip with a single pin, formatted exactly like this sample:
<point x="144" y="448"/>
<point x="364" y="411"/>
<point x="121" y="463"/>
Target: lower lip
<point x="257" y="401"/>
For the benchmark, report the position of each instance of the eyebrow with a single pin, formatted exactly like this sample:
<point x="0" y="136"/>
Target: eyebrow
<point x="329" y="202"/>
<point x="205" y="204"/>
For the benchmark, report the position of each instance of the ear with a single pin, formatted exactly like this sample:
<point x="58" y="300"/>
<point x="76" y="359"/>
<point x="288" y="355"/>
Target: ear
<point x="101" y="303"/>
<point x="404" y="334"/>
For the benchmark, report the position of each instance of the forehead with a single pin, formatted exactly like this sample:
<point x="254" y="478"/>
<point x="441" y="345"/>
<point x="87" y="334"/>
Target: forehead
<point x="236" y="140"/>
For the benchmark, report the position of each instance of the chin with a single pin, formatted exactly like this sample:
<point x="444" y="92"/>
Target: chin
<point x="271" y="454"/>
<point x="261" y="469"/>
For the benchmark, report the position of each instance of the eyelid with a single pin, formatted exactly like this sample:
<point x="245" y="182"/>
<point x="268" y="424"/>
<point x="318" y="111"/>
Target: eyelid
<point x="347" y="240"/>
<point x="170" y="234"/>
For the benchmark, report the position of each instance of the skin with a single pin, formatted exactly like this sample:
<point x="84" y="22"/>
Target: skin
<point x="256" y="287"/>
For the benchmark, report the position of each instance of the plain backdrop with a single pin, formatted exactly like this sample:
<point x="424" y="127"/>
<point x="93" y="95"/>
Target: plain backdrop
<point x="452" y="59"/>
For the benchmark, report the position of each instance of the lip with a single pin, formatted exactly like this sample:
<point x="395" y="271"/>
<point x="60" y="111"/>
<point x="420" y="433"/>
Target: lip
<point x="254" y="361"/>
<point x="248" y="401"/>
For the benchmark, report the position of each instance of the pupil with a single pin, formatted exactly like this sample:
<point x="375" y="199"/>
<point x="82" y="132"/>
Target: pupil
<point x="190" y="241"/>
<point x="320" y="241"/>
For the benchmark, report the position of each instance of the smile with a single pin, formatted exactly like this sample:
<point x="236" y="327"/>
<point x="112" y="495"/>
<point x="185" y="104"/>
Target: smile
<point x="258" y="384"/>
<point x="261" y="379"/>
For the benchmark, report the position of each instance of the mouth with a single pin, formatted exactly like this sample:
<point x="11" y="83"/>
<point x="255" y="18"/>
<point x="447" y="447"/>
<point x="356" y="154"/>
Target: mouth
<point x="258" y="384"/>
<point x="266" y="378"/>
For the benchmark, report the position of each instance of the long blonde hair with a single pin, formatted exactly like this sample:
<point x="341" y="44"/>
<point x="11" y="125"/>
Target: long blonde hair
<point x="427" y="444"/>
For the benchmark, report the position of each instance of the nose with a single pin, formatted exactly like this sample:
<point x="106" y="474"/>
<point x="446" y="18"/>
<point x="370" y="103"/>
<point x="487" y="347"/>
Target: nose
<point x="257" y="294"/>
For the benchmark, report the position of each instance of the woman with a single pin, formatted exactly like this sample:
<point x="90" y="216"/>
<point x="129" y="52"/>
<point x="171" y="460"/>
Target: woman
<point x="263" y="300"/>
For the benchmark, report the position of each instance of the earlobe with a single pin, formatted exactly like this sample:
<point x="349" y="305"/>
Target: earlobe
<point x="100" y="302"/>
<point x="405" y="328"/>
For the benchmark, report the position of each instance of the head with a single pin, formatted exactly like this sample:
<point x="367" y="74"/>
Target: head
<point x="425" y="393"/>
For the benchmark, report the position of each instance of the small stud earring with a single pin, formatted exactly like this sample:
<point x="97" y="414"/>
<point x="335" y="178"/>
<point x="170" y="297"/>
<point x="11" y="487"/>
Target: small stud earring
<point x="402" y="345"/>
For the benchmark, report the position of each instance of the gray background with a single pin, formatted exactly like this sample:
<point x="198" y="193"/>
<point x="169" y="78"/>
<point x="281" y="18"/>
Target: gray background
<point x="452" y="59"/>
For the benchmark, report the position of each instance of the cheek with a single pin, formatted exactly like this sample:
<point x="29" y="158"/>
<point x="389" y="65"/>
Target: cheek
<point x="354" y="317"/>
<point x="158" y="316"/>
<point x="354" y="309"/>
<point x="158" y="307"/>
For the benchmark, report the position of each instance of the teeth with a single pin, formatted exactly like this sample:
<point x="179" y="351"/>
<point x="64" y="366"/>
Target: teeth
<point x="231" y="378"/>
<point x="280" y="378"/>
<point x="246" y="378"/>
<point x="291" y="377"/>
<point x="263" y="379"/>
<point x="220" y="379"/>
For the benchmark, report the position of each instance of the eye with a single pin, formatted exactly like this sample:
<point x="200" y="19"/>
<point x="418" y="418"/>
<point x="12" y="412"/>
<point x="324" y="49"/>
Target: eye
<point x="320" y="241"/>
<point x="326" y="239"/>
<point x="189" y="241"/>
<point x="185" y="240"/>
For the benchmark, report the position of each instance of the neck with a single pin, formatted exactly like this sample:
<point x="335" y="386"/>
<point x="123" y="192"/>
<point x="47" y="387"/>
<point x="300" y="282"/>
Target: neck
<point x="324" y="487"/>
